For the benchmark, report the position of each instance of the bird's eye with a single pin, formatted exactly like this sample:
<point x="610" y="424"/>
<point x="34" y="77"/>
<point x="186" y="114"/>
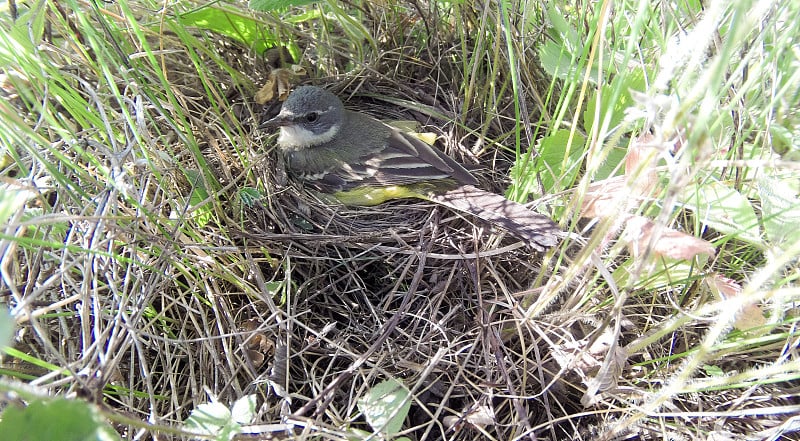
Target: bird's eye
<point x="312" y="117"/>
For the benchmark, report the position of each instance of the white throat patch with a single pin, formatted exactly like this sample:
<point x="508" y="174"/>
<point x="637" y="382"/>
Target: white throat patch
<point x="295" y="137"/>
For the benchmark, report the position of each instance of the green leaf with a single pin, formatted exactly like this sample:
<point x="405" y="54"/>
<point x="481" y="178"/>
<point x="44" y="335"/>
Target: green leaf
<point x="557" y="53"/>
<point x="213" y="419"/>
<point x="274" y="287"/>
<point x="32" y="359"/>
<point x="561" y="29"/>
<point x="613" y="107"/>
<point x="713" y="371"/>
<point x="250" y="196"/>
<point x="725" y="210"/>
<point x="271" y="5"/>
<point x="244" y="409"/>
<point x="203" y="214"/>
<point x="51" y="419"/>
<point x="354" y="434"/>
<point x="13" y="199"/>
<point x="561" y="54"/>
<point x="386" y="406"/>
<point x="231" y="23"/>
<point x="558" y="163"/>
<point x="785" y="142"/>
<point x="611" y="166"/>
<point x="302" y="224"/>
<point x="556" y="60"/>
<point x="781" y="210"/>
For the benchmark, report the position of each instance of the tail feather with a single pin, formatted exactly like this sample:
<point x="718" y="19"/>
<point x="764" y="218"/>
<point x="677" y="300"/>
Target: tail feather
<point x="538" y="230"/>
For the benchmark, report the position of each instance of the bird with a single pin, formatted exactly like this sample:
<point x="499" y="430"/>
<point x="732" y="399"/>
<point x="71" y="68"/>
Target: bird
<point x="362" y="161"/>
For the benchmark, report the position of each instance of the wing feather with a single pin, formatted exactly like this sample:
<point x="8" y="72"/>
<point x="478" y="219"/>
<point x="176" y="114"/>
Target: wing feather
<point x="407" y="160"/>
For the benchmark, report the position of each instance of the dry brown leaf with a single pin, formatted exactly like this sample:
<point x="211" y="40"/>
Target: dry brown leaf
<point x="723" y="287"/>
<point x="751" y="316"/>
<point x="587" y="363"/>
<point x="279" y="84"/>
<point x="480" y="416"/>
<point x="669" y="243"/>
<point x="259" y="348"/>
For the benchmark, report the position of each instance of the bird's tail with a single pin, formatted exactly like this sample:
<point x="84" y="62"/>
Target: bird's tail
<point x="538" y="230"/>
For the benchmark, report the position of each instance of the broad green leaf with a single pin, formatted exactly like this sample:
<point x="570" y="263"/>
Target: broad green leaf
<point x="55" y="419"/>
<point x="611" y="167"/>
<point x="357" y="434"/>
<point x="386" y="406"/>
<point x="556" y="54"/>
<point x="556" y="60"/>
<point x="213" y="419"/>
<point x="230" y="23"/>
<point x="724" y="209"/>
<point x="561" y="29"/>
<point x="781" y="211"/>
<point x="250" y="196"/>
<point x="613" y="107"/>
<point x="12" y="199"/>
<point x="244" y="409"/>
<point x="273" y="287"/>
<point x="561" y="55"/>
<point x="271" y="5"/>
<point x="556" y="172"/>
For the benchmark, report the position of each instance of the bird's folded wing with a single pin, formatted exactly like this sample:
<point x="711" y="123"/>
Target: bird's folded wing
<point x="406" y="159"/>
<point x="538" y="230"/>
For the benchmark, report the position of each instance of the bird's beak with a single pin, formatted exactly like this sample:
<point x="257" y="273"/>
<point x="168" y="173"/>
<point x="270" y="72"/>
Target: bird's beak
<point x="279" y="121"/>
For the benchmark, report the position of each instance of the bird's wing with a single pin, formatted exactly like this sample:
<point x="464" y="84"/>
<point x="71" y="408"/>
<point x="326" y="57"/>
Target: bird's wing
<point x="405" y="160"/>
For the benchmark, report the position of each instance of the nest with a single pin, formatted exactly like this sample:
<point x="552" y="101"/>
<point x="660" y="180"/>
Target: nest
<point x="198" y="295"/>
<point x="407" y="290"/>
<point x="352" y="295"/>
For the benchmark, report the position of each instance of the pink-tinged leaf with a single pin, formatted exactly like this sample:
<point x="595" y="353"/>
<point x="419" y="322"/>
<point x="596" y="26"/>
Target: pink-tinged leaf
<point x="640" y="165"/>
<point x="723" y="287"/>
<point x="669" y="243"/>
<point x="751" y="315"/>
<point x="620" y="195"/>
<point x="605" y="198"/>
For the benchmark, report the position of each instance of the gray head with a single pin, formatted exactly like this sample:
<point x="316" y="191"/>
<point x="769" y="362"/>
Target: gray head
<point x="310" y="116"/>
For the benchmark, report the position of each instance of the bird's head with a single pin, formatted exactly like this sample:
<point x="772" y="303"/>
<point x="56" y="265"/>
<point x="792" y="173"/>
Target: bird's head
<point x="310" y="116"/>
